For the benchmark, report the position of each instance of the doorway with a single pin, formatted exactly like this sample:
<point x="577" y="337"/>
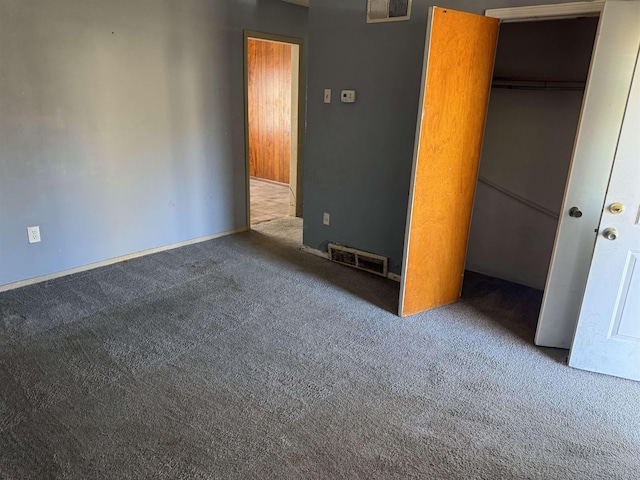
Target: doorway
<point x="539" y="79"/>
<point x="273" y="122"/>
<point x="603" y="106"/>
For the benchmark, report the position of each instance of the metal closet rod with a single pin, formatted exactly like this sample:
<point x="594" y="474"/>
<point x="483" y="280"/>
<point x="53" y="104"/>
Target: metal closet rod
<point x="537" y="83"/>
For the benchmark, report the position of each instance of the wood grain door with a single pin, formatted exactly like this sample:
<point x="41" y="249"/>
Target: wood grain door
<point x="269" y="73"/>
<point x="455" y="94"/>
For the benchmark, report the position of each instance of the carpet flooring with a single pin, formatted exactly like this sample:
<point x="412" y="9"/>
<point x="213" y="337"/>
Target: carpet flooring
<point x="243" y="357"/>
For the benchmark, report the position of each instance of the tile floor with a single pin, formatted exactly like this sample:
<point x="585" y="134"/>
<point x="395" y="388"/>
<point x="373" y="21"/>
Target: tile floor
<point x="268" y="200"/>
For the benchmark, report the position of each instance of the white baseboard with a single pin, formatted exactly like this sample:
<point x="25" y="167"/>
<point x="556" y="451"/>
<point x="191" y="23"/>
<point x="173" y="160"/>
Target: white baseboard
<point x="313" y="251"/>
<point x="111" y="261"/>
<point x="394" y="276"/>
<point x="319" y="253"/>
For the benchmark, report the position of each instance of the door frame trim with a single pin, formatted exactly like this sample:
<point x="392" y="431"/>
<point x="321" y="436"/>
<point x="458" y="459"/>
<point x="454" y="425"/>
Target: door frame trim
<point x="296" y="178"/>
<point x="546" y="12"/>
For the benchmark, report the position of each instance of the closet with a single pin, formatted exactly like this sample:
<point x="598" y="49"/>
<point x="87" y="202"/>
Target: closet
<point x="536" y="97"/>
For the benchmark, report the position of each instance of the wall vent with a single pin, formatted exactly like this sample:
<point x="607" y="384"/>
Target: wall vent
<point x="369" y="262"/>
<point x="388" y="10"/>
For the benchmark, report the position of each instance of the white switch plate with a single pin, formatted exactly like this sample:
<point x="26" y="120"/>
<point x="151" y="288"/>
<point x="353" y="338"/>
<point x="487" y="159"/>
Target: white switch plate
<point x="348" y="96"/>
<point x="327" y="95"/>
<point x="33" y="234"/>
<point x="326" y="218"/>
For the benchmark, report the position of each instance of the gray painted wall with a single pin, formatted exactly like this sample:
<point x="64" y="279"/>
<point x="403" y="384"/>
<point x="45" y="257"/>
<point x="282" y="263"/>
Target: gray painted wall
<point x="358" y="157"/>
<point x="122" y="125"/>
<point x="527" y="149"/>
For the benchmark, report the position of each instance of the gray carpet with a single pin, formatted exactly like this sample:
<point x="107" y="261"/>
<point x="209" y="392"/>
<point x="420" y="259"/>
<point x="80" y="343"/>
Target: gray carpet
<point x="243" y="357"/>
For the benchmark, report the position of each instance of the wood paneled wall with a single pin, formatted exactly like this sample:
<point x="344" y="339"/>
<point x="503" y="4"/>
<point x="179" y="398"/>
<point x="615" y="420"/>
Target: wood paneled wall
<point x="269" y="103"/>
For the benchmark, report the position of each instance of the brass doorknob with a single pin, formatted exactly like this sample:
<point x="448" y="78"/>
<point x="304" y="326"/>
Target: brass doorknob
<point x="610" y="233"/>
<point x="616" y="208"/>
<point x="575" y="212"/>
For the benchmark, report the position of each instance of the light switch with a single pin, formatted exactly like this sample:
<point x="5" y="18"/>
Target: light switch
<point x="348" y="96"/>
<point x="327" y="95"/>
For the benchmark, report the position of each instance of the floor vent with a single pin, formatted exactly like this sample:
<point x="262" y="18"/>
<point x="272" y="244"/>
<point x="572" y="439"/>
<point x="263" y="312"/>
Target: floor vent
<point x="369" y="262"/>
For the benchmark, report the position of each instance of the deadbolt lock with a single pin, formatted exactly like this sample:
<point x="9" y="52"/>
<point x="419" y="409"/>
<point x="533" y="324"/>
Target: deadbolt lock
<point x="616" y="208"/>
<point x="610" y="233"/>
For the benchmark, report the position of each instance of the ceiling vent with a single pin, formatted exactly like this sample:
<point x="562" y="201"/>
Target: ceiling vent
<point x="369" y="262"/>
<point x="388" y="10"/>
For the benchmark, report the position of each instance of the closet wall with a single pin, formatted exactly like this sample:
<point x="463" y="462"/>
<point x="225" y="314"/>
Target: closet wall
<point x="527" y="147"/>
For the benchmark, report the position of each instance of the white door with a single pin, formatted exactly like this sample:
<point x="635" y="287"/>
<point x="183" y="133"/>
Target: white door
<point x="607" y="337"/>
<point x="603" y="109"/>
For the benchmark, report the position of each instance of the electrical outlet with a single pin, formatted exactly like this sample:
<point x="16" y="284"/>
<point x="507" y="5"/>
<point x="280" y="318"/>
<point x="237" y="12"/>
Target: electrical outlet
<point x="33" y="234"/>
<point x="326" y="218"/>
<point x="327" y="95"/>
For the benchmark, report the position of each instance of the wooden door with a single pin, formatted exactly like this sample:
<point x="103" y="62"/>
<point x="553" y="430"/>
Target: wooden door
<point x="269" y="73"/>
<point x="607" y="337"/>
<point x="455" y="93"/>
<point x="603" y="108"/>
